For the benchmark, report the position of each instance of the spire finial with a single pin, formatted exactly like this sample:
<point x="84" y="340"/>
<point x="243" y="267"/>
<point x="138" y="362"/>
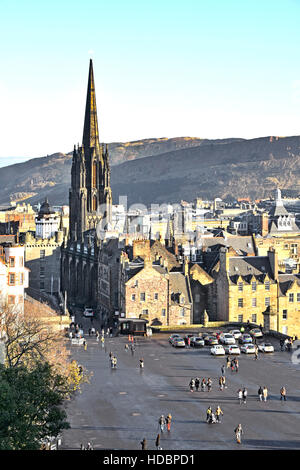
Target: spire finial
<point x="90" y="131"/>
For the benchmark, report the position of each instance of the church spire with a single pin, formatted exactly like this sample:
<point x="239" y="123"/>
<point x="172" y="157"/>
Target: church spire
<point x="90" y="131"/>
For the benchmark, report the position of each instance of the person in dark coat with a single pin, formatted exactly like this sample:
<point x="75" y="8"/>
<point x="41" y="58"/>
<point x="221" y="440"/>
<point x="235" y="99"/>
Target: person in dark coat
<point x="144" y="444"/>
<point x="157" y="442"/>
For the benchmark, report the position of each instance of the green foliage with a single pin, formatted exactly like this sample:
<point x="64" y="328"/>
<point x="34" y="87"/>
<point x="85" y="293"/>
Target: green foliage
<point x="30" y="406"/>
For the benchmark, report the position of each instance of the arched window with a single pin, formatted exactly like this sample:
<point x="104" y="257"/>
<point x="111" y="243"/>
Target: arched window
<point x="94" y="174"/>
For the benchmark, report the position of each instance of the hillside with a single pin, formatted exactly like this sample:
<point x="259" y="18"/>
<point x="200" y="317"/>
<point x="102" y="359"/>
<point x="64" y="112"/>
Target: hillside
<point x="168" y="170"/>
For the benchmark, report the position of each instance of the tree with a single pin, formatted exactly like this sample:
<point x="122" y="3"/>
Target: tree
<point x="34" y="337"/>
<point x="30" y="405"/>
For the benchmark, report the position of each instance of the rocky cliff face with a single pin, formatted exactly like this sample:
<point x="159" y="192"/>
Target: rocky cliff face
<point x="168" y="170"/>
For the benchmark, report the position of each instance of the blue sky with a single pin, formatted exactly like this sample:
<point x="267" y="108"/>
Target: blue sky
<point x="210" y="69"/>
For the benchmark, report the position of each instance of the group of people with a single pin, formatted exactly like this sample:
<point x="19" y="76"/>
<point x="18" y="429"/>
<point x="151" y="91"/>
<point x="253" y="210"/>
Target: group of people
<point x="242" y="395"/>
<point x="196" y="383"/>
<point x="87" y="447"/>
<point x="287" y="343"/>
<point x="233" y="364"/>
<point x="163" y="424"/>
<point x="211" y="417"/>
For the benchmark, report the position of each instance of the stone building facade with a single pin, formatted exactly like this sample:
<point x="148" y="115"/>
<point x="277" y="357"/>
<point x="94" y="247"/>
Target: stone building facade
<point x="149" y="290"/>
<point x="244" y="287"/>
<point x="14" y="276"/>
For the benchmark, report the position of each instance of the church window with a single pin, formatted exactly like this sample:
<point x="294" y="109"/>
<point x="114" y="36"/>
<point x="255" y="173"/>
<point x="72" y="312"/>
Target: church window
<point x="94" y="203"/>
<point x="94" y="174"/>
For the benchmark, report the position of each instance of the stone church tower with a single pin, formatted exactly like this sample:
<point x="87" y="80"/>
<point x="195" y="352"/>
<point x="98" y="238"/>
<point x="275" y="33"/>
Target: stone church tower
<point x="90" y="195"/>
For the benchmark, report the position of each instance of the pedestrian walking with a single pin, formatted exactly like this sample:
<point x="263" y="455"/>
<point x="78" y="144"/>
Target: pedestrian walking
<point x="168" y="422"/>
<point x="84" y="344"/>
<point x="162" y="423"/>
<point x="221" y="383"/>
<point x="223" y="370"/>
<point x="157" y="442"/>
<point x="238" y="433"/>
<point x="114" y="362"/>
<point x="208" y="414"/>
<point x="142" y="363"/>
<point x="236" y="363"/>
<point x="209" y="384"/>
<point x="260" y="393"/>
<point x="228" y="362"/>
<point x="283" y="393"/>
<point x="240" y="395"/>
<point x="97" y="336"/>
<point x="192" y="385"/>
<point x="245" y="393"/>
<point x="144" y="444"/>
<point x="218" y="414"/>
<point x="89" y="446"/>
<point x="224" y="381"/>
<point x="232" y="365"/>
<point x="256" y="353"/>
<point x="197" y="383"/>
<point x="265" y="393"/>
<point x="203" y="384"/>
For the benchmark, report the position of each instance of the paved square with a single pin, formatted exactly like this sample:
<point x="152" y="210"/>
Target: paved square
<point x="120" y="407"/>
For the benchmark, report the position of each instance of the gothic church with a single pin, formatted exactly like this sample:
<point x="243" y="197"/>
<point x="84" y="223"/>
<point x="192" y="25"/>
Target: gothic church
<point x="90" y="201"/>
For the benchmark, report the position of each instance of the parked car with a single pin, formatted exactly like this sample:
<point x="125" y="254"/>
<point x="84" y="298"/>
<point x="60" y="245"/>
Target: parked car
<point x="232" y="349"/>
<point x="248" y="348"/>
<point x="211" y="340"/>
<point x="88" y="312"/>
<point x="173" y="336"/>
<point x="227" y="338"/>
<point x="245" y="339"/>
<point x="197" y="342"/>
<point x="178" y="343"/>
<point x="236" y="333"/>
<point x="217" y="350"/>
<point x="266" y="347"/>
<point x="256" y="333"/>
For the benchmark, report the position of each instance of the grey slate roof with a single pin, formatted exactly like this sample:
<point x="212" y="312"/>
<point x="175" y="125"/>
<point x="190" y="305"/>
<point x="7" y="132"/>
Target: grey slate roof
<point x="248" y="266"/>
<point x="178" y="285"/>
<point x="286" y="281"/>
